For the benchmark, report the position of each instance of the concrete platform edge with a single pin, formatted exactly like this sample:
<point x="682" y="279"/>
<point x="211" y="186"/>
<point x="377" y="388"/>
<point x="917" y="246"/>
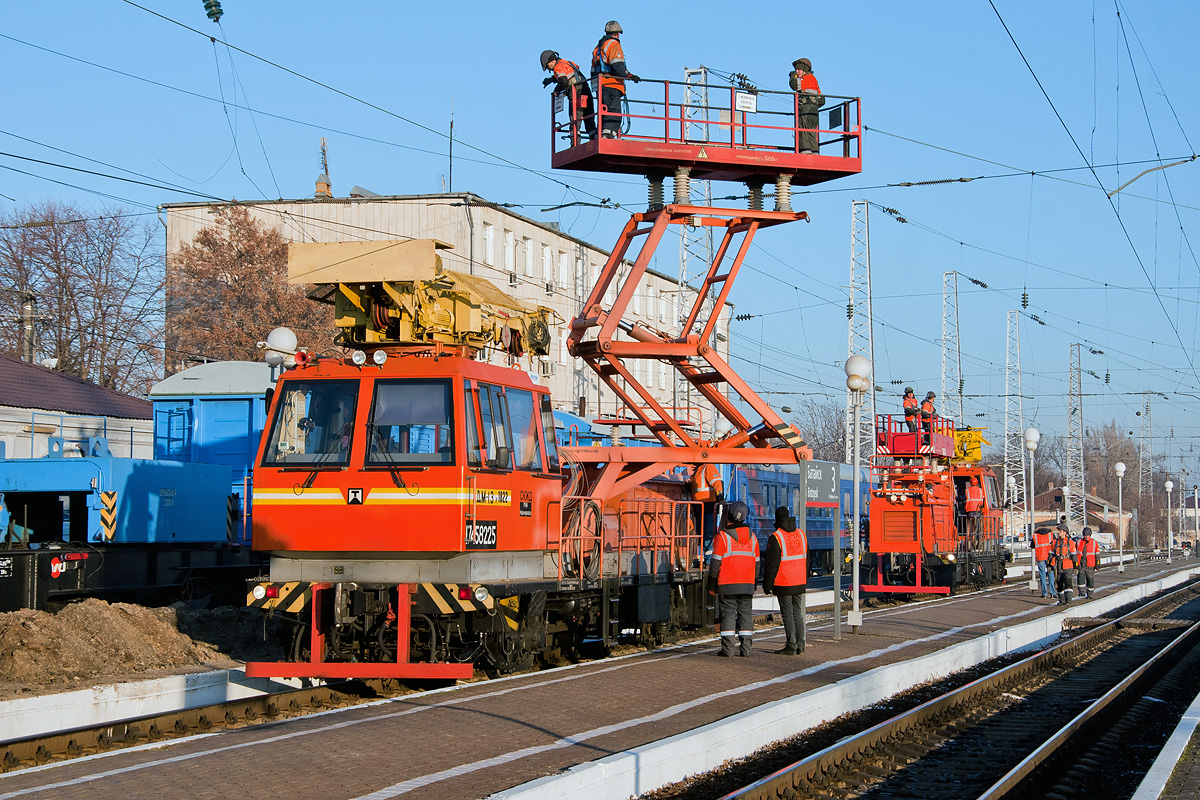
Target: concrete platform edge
<point x="644" y="769"/>
<point x="1156" y="779"/>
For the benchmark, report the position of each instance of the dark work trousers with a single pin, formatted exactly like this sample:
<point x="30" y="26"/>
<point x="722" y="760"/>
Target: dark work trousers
<point x="584" y="108"/>
<point x="611" y="98"/>
<point x="911" y="422"/>
<point x="736" y="622"/>
<point x="792" y="609"/>
<point x="1066" y="581"/>
<point x="808" y="125"/>
<point x="1086" y="578"/>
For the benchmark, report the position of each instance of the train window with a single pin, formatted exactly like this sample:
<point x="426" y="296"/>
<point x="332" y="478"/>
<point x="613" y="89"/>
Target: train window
<point x="313" y="424"/>
<point x="411" y="424"/>
<point x="493" y="412"/>
<point x="474" y="448"/>
<point x="993" y="491"/>
<point x="548" y="433"/>
<point x="526" y="451"/>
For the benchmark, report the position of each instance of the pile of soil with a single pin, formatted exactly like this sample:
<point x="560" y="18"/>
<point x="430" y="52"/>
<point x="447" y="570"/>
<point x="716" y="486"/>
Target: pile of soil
<point x="93" y="642"/>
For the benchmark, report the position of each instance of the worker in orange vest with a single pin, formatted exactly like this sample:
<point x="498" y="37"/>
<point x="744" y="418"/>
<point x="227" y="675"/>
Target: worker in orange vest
<point x="912" y="409"/>
<point x="706" y="483"/>
<point x="973" y="505"/>
<point x="1041" y="544"/>
<point x="1088" y="550"/>
<point x="928" y="415"/>
<point x="608" y="65"/>
<point x="732" y="575"/>
<point x="785" y="574"/>
<point x="1062" y="555"/>
<point x="569" y="81"/>
<point x="808" y="102"/>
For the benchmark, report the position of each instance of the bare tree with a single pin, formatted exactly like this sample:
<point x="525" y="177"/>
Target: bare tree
<point x="229" y="288"/>
<point x="823" y="425"/>
<point x="97" y="280"/>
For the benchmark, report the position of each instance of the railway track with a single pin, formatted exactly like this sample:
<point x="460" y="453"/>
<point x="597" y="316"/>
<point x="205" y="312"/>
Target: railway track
<point x="1082" y="717"/>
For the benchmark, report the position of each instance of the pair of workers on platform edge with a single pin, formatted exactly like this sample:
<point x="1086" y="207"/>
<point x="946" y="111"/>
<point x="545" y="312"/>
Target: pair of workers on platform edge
<point x="732" y="575"/>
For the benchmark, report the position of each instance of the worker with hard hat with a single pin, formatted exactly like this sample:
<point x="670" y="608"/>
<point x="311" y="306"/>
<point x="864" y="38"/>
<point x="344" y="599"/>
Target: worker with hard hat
<point x="608" y="67"/>
<point x="732" y="575"/>
<point x="928" y="415"/>
<point x="973" y="505"/>
<point x="912" y="409"/>
<point x="570" y="82"/>
<point x="808" y="102"/>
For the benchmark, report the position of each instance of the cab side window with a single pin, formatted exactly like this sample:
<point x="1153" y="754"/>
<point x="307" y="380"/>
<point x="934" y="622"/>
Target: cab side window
<point x="497" y="438"/>
<point x="526" y="449"/>
<point x="474" y="446"/>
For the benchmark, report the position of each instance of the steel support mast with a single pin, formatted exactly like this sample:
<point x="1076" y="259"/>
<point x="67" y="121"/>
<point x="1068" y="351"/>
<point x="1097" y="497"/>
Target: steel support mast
<point x="1014" y="414"/>
<point x="1076" y="506"/>
<point x="1146" y="465"/>
<point x="952" y="384"/>
<point x="861" y="324"/>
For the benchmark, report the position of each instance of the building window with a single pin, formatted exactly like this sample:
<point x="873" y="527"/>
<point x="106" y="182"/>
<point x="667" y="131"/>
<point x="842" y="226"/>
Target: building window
<point x="547" y="264"/>
<point x="489" y="244"/>
<point x="580" y="275"/>
<point x="637" y="300"/>
<point x="662" y="376"/>
<point x="510" y="252"/>
<point x="564" y="276"/>
<point x="662" y="305"/>
<point x="649" y="303"/>
<point x="563" y="354"/>
<point x="527" y="246"/>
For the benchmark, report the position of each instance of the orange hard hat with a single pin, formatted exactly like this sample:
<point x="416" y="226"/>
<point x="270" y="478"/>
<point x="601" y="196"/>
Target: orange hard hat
<point x="974" y="481"/>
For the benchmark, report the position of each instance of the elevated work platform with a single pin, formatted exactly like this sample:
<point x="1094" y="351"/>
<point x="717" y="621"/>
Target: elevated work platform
<point x="738" y="135"/>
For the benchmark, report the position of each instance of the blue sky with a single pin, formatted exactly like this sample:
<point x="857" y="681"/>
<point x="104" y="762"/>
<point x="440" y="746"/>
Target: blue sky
<point x="946" y="94"/>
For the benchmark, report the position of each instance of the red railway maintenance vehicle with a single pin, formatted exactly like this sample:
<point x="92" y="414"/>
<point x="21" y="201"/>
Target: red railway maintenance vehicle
<point x="936" y="516"/>
<point x="420" y="519"/>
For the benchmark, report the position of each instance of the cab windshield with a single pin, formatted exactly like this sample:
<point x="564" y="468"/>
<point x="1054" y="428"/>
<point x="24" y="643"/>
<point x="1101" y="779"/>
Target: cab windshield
<point x="411" y="424"/>
<point x="313" y="425"/>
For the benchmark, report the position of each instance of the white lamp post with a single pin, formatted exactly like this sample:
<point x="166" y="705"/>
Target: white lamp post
<point x="1169" y="485"/>
<point x="858" y="374"/>
<point x="1119" y="468"/>
<point x="1031" y="438"/>
<point x="1195" y="516"/>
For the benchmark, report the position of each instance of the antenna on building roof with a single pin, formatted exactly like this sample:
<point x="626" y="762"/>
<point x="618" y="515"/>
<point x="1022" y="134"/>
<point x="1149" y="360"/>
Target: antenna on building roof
<point x="324" y="185"/>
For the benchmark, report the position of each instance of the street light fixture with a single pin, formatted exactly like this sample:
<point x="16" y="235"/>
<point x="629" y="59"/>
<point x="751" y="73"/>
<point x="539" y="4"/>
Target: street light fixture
<point x="1119" y="468"/>
<point x="1169" y="485"/>
<point x="1031" y="437"/>
<point x="858" y="380"/>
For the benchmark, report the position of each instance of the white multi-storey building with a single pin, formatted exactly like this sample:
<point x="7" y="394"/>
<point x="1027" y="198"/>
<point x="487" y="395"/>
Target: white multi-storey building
<point x="532" y="261"/>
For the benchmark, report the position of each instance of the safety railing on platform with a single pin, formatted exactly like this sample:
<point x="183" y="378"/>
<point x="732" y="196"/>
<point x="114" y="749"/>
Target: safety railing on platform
<point x="894" y="437"/>
<point x="659" y="536"/>
<point x="760" y="119"/>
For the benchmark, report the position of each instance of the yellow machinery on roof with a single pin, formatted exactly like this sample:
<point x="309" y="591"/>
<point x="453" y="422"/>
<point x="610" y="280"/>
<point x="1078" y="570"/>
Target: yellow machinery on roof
<point x="968" y="445"/>
<point x="398" y="294"/>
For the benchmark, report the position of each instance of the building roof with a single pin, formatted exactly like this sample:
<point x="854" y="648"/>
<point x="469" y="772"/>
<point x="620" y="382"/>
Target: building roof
<point x="218" y="378"/>
<point x="24" y="385"/>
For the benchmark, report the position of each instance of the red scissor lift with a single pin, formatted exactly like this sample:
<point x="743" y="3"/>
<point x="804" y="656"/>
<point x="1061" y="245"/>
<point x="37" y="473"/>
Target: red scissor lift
<point x="725" y="140"/>
<point x="912" y="508"/>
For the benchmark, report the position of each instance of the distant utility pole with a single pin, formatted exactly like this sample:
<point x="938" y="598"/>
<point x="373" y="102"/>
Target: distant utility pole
<point x="28" y="335"/>
<point x="862" y="322"/>
<point x="1076" y="505"/>
<point x="952" y="382"/>
<point x="1145" y="465"/>
<point x="1014" y="413"/>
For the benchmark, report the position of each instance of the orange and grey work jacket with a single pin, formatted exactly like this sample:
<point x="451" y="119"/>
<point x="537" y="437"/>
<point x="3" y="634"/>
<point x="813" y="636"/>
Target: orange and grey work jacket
<point x="734" y="563"/>
<point x="1063" y="554"/>
<point x="912" y="408"/>
<point x="1041" y="545"/>
<point x="568" y="74"/>
<point x="608" y="52"/>
<point x="1088" y="549"/>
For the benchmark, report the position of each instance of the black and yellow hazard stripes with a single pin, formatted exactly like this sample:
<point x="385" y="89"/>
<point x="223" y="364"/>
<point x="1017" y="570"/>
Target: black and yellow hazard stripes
<point x="292" y="596"/>
<point x="789" y="435"/>
<point x="450" y="598"/>
<point x="108" y="514"/>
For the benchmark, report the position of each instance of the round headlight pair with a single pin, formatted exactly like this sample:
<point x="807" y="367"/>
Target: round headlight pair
<point x="359" y="357"/>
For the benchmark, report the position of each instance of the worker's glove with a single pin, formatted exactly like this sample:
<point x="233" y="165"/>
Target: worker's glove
<point x="634" y="78"/>
<point x="547" y="81"/>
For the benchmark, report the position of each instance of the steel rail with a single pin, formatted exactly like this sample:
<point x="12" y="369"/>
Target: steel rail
<point x="814" y="767"/>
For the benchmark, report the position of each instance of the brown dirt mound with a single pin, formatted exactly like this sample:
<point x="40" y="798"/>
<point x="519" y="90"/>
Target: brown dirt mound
<point x="93" y="642"/>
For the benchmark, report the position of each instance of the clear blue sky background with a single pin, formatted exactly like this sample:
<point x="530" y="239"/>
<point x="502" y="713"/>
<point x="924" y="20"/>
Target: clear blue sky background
<point x="946" y="95"/>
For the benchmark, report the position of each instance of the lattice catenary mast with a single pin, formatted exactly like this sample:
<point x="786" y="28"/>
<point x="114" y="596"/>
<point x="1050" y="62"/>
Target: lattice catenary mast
<point x="1075" y="478"/>
<point x="952" y="383"/>
<point x="1145" y="464"/>
<point x="1014" y="415"/>
<point x="862" y="323"/>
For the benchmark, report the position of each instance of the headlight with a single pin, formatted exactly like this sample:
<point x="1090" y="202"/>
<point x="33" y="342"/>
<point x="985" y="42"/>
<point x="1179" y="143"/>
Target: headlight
<point x="951" y="558"/>
<point x="259" y="592"/>
<point x="358" y="357"/>
<point x="379" y="356"/>
<point x="481" y="594"/>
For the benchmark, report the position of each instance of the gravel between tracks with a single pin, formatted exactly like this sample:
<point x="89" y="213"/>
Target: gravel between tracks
<point x="93" y="642"/>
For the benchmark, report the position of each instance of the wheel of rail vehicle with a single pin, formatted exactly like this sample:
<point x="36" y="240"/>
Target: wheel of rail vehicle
<point x="507" y="651"/>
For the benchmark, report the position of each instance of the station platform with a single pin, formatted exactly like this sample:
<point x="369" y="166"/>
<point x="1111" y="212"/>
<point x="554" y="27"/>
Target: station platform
<point x="607" y="729"/>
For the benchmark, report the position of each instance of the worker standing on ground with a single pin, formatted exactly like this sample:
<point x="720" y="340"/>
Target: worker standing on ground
<point x="731" y="577"/>
<point x="808" y="101"/>
<point x="912" y="409"/>
<point x="566" y="75"/>
<point x="1088" y="550"/>
<point x="608" y="66"/>
<point x="928" y="415"/>
<point x="1063" y="556"/>
<point x="1041" y="544"/>
<point x="785" y="574"/>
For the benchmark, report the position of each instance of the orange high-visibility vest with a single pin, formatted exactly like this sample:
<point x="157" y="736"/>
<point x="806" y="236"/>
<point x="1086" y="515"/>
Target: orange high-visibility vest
<point x="737" y="553"/>
<point x="974" y="497"/>
<point x="1063" y="554"/>
<point x="707" y="483"/>
<point x="608" y="51"/>
<point x="1041" y="545"/>
<point x="793" y="558"/>
<point x="1088" y="549"/>
<point x="912" y="408"/>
